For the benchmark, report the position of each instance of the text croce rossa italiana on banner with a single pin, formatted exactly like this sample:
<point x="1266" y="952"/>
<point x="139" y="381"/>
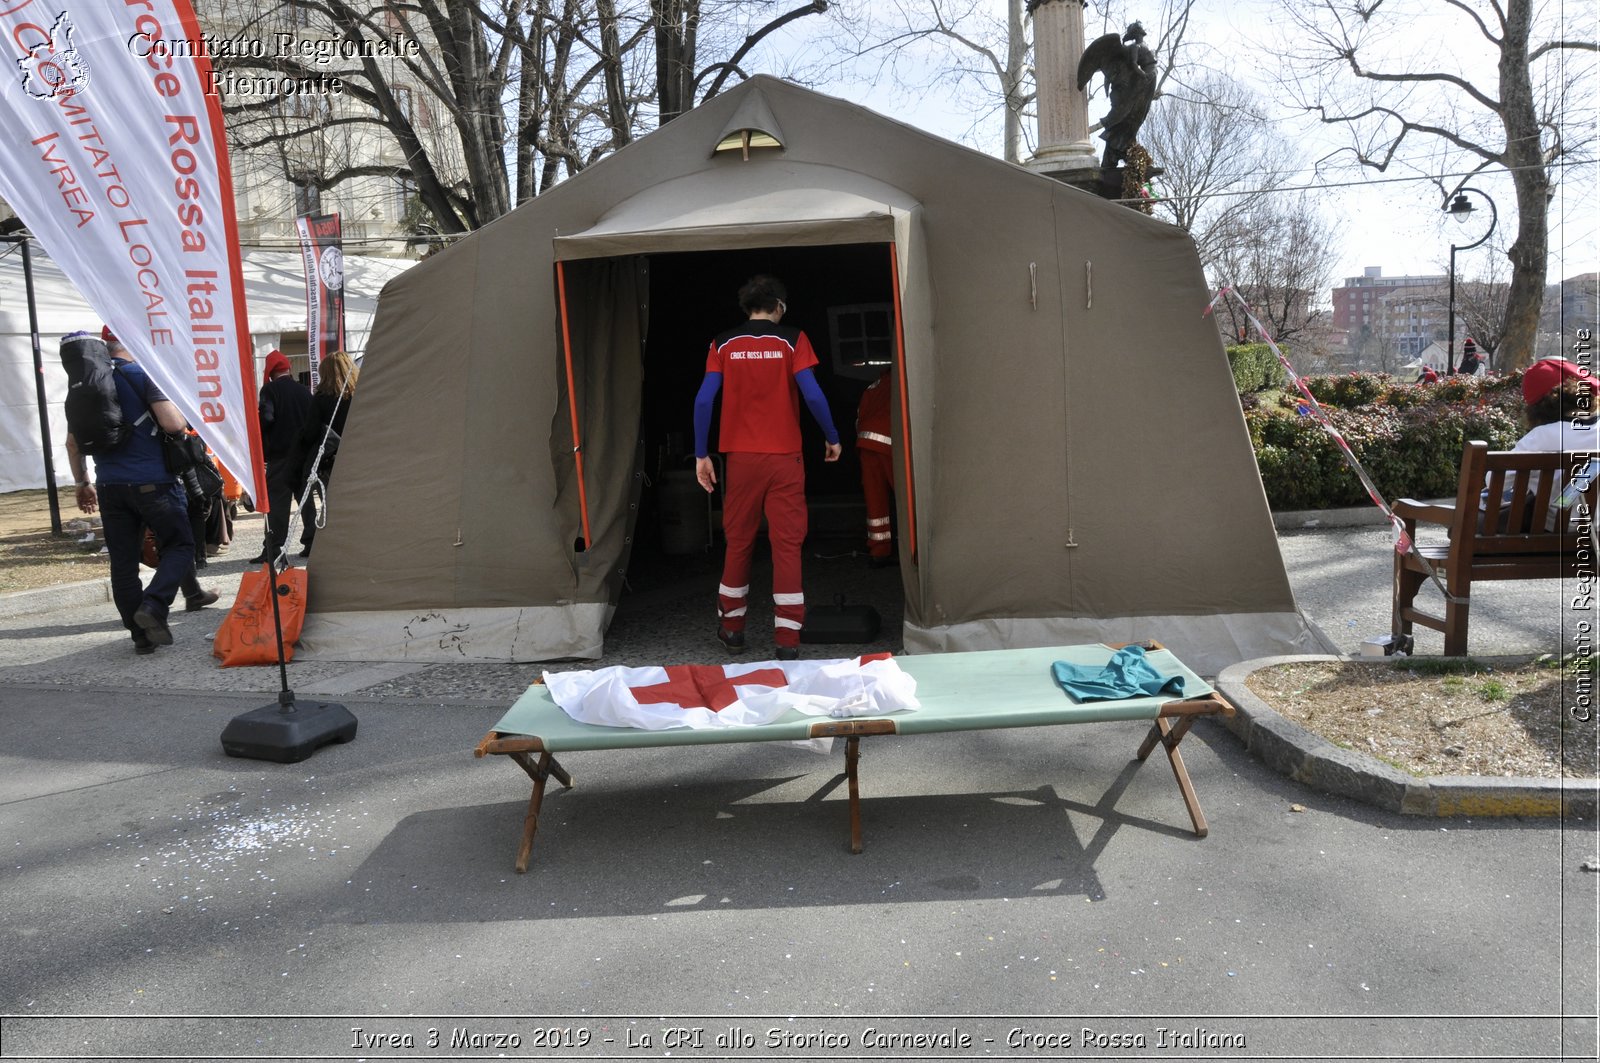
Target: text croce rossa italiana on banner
<point x="117" y="164"/>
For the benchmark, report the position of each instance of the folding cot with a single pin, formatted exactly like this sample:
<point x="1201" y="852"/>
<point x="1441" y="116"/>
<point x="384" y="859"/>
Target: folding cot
<point x="966" y="691"/>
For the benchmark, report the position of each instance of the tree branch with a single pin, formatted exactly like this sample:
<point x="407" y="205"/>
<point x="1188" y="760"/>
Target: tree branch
<point x="816" y="7"/>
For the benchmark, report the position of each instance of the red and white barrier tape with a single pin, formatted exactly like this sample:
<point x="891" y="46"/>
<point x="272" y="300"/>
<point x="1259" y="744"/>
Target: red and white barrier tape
<point x="1312" y="408"/>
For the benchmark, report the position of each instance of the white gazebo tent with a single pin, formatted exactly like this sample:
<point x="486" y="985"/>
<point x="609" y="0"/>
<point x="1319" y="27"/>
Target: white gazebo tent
<point x="275" y="297"/>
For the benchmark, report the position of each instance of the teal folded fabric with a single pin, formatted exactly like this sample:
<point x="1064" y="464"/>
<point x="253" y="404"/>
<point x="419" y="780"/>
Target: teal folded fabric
<point x="1127" y="675"/>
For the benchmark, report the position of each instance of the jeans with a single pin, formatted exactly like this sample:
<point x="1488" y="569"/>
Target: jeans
<point x="125" y="511"/>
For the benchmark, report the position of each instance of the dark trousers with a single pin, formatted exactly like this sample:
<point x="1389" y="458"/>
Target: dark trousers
<point x="281" y="476"/>
<point x="125" y="511"/>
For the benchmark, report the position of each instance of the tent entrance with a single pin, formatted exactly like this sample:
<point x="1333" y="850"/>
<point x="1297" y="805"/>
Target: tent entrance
<point x="842" y="296"/>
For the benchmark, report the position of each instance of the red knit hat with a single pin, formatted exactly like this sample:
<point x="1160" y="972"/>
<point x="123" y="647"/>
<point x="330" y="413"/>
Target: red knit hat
<point x="107" y="335"/>
<point x="1547" y="374"/>
<point x="277" y="362"/>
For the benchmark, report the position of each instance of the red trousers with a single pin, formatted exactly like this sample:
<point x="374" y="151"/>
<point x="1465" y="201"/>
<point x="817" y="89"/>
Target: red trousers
<point x="877" y="484"/>
<point x="774" y="485"/>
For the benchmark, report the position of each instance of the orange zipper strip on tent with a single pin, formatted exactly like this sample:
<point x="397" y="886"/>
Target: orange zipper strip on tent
<point x="905" y="419"/>
<point x="572" y="403"/>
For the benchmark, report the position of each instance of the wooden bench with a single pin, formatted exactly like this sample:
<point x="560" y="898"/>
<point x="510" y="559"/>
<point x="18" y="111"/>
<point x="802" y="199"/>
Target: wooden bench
<point x="1493" y="539"/>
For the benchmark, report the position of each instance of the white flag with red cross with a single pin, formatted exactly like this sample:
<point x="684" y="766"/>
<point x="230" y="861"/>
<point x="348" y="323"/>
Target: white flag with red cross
<point x="732" y="695"/>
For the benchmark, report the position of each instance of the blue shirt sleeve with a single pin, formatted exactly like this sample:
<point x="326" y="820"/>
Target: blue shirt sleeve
<point x="702" y="412"/>
<point x="817" y="403"/>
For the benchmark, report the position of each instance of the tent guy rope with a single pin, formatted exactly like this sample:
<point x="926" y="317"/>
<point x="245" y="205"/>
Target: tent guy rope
<point x="1312" y="408"/>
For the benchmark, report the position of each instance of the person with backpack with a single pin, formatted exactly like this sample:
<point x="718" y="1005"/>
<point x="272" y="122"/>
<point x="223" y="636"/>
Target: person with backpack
<point x="116" y="415"/>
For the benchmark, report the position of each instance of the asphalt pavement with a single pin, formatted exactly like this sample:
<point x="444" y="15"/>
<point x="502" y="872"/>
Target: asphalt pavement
<point x="1022" y="894"/>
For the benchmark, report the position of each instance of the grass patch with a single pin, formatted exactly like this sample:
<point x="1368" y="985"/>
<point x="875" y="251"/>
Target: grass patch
<point x="1492" y="690"/>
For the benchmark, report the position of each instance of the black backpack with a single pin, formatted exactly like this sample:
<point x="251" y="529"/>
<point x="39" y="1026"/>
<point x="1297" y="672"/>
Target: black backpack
<point x="94" y="412"/>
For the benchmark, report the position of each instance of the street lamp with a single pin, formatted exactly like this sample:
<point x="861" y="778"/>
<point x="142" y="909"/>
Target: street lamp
<point x="1459" y="207"/>
<point x="422" y="240"/>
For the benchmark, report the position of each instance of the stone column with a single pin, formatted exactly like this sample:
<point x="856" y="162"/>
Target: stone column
<point x="1065" y="151"/>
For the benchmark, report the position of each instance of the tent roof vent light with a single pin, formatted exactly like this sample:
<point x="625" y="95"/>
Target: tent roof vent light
<point x="752" y="126"/>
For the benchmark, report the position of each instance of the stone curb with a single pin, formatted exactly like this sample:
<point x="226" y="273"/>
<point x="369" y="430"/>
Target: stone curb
<point x="1353" y="517"/>
<point x="60" y="596"/>
<point x="1295" y="752"/>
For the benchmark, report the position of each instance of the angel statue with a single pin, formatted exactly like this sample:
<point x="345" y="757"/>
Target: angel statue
<point x="1130" y="72"/>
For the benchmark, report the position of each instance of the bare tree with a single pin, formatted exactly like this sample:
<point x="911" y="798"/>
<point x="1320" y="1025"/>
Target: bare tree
<point x="478" y="105"/>
<point x="957" y="46"/>
<point x="1280" y="260"/>
<point x="1482" y="302"/>
<point x="1431" y="114"/>
<point x="1221" y="159"/>
<point x="678" y="25"/>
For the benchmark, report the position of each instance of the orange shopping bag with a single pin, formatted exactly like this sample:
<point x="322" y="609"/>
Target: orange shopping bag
<point x="247" y="634"/>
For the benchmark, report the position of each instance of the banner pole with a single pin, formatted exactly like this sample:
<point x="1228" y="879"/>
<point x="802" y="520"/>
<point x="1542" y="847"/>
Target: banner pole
<point x="38" y="383"/>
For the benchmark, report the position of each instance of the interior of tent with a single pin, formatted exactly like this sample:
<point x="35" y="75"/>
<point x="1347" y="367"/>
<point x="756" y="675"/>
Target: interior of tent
<point x="841" y="296"/>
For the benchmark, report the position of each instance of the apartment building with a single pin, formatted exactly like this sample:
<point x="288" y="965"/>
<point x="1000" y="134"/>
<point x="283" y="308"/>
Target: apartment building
<point x="1403" y="315"/>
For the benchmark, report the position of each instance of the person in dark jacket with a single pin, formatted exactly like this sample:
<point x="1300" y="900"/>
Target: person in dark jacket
<point x="284" y="410"/>
<point x="330" y="405"/>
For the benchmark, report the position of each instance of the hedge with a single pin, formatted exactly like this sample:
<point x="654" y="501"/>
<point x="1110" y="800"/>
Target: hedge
<point x="1409" y="437"/>
<point x="1255" y="368"/>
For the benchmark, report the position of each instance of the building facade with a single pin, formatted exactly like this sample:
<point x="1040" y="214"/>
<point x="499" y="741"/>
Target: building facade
<point x="1393" y="316"/>
<point x="308" y="146"/>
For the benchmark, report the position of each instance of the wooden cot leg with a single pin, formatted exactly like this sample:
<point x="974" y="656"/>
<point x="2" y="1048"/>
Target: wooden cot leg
<point x="852" y="754"/>
<point x="1169" y="735"/>
<point x="540" y="772"/>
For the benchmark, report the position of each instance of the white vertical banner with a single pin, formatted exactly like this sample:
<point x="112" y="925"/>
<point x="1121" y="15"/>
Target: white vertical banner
<point x="308" y="261"/>
<point x="116" y="160"/>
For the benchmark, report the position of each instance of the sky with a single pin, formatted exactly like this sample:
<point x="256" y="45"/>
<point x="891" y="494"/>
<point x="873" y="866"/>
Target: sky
<point x="1391" y="220"/>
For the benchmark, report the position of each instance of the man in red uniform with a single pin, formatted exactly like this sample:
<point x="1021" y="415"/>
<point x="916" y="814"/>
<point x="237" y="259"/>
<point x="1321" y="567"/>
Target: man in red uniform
<point x="765" y="368"/>
<point x="875" y="449"/>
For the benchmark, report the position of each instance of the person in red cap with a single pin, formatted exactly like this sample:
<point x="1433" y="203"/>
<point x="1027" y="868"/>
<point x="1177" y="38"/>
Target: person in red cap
<point x="1470" y="359"/>
<point x="1559" y="405"/>
<point x="284" y="409"/>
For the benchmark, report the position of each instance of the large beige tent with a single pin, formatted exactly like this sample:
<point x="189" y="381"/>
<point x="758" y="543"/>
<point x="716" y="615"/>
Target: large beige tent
<point x="1072" y="463"/>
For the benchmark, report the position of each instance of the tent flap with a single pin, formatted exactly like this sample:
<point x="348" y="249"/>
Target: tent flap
<point x="769" y="203"/>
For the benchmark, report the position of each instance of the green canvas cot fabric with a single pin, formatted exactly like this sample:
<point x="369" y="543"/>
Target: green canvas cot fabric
<point x="969" y="691"/>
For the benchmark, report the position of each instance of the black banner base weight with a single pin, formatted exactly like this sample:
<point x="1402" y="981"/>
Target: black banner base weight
<point x="270" y="733"/>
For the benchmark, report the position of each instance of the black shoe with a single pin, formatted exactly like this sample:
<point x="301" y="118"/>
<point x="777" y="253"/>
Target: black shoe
<point x="883" y="562"/>
<point x="198" y="601"/>
<point x="732" y="640"/>
<point x="143" y="646"/>
<point x="155" y="628"/>
<point x="260" y="559"/>
<point x="788" y="653"/>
